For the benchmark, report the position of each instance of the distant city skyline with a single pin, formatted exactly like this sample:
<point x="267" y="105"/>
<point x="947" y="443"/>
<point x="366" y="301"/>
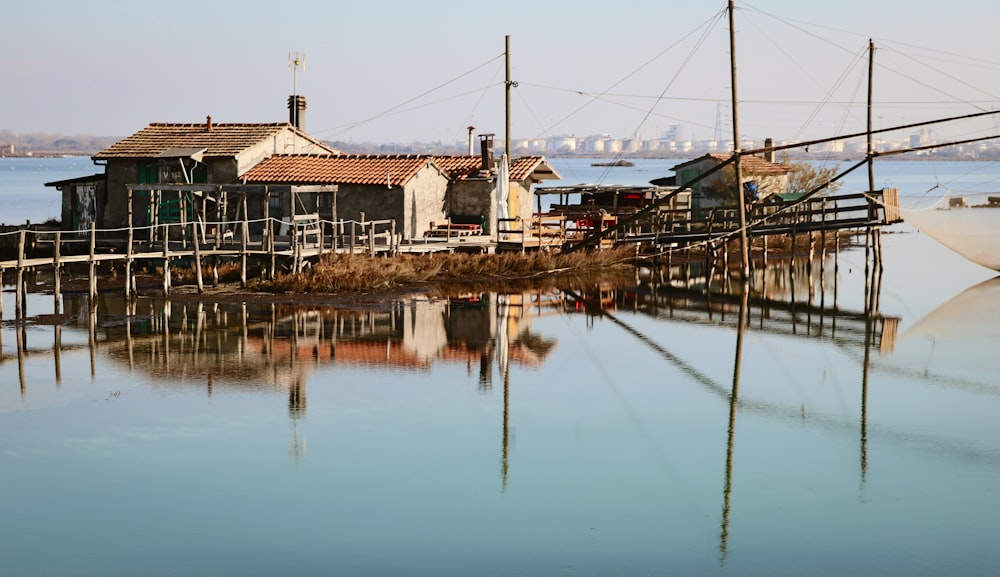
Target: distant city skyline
<point x="391" y="71"/>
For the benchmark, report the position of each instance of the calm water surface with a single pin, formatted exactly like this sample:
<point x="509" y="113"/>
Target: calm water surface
<point x="22" y="186"/>
<point x="524" y="434"/>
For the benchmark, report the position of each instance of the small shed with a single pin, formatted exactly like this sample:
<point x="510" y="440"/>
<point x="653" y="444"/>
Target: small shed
<point x="761" y="178"/>
<point x="80" y="198"/>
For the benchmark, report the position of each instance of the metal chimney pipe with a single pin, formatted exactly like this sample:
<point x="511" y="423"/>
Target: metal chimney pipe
<point x="486" y="152"/>
<point x="472" y="150"/>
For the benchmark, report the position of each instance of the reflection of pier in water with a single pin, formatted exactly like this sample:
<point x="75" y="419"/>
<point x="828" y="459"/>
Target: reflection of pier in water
<point x="804" y="305"/>
<point x="666" y="301"/>
<point x="277" y="346"/>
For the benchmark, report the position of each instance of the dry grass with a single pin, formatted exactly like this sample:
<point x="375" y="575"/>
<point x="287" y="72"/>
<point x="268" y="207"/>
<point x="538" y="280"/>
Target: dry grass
<point x="347" y="273"/>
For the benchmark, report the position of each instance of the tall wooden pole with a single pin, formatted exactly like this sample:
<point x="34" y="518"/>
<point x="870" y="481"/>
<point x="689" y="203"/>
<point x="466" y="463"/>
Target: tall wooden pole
<point x="508" y="84"/>
<point x="742" y="209"/>
<point x="871" y="147"/>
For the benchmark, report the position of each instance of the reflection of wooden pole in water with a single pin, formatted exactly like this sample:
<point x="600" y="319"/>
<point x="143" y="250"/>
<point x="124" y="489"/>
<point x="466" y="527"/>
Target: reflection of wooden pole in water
<point x="130" y="311"/>
<point x="505" y="453"/>
<point x="199" y="330"/>
<point x="869" y="334"/>
<point x="92" y="337"/>
<point x="874" y="289"/>
<point x="21" y="340"/>
<point x="731" y="436"/>
<point x="57" y="352"/>
<point x="167" y="312"/>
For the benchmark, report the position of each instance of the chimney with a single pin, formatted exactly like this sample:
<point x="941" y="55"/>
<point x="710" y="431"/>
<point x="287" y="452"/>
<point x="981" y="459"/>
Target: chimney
<point x="297" y="111"/>
<point x="769" y="154"/>
<point x="471" y="147"/>
<point x="486" y="152"/>
<point x="208" y="123"/>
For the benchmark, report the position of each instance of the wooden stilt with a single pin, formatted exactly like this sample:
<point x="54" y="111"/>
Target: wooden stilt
<point x="244" y="234"/>
<point x="128" y="252"/>
<point x="197" y="258"/>
<point x="19" y="287"/>
<point x="93" y="264"/>
<point x="57" y="274"/>
<point x="166" y="260"/>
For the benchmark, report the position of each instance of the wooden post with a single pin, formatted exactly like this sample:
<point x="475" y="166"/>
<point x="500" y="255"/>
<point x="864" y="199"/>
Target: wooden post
<point x="292" y="231"/>
<point x="791" y="266"/>
<point x="57" y="274"/>
<point x="219" y="222"/>
<point x="394" y="242"/>
<point x="183" y="216"/>
<point x="322" y="242"/>
<point x="19" y="289"/>
<point x="93" y="264"/>
<point x="244" y="237"/>
<point x="152" y="216"/>
<point x="128" y="251"/>
<point x="166" y="260"/>
<point x="197" y="256"/>
<point x="708" y="245"/>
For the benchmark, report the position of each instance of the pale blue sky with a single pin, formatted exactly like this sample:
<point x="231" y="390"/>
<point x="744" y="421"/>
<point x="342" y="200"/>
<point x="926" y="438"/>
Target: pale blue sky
<point x="110" y="67"/>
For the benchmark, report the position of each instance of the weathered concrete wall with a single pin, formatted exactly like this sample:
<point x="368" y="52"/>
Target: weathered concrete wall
<point x="114" y="212"/>
<point x="221" y="170"/>
<point x="474" y="197"/>
<point x="377" y="202"/>
<point x="525" y="199"/>
<point x="425" y="202"/>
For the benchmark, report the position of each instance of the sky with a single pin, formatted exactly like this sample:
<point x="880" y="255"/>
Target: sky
<point x="404" y="71"/>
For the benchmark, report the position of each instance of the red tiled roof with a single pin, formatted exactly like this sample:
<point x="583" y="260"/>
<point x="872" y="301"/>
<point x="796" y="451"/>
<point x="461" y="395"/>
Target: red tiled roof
<point x="527" y="166"/>
<point x="376" y="169"/>
<point x="337" y="169"/>
<point x="749" y="164"/>
<point x="221" y="140"/>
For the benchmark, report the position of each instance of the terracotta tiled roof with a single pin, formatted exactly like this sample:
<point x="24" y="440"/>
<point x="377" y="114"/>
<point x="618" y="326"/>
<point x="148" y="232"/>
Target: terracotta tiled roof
<point x="338" y="169"/>
<point x="219" y="140"/>
<point x="749" y="164"/>
<point x="535" y="166"/>
<point x="462" y="167"/>
<point x="459" y="167"/>
<point x="379" y="169"/>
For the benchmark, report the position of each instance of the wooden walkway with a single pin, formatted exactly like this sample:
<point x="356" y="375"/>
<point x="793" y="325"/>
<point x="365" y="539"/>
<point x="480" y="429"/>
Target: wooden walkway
<point x="290" y="245"/>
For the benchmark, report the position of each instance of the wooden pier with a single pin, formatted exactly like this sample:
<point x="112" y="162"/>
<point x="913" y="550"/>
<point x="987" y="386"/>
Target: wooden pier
<point x="282" y="244"/>
<point x="666" y="225"/>
<point x="662" y="226"/>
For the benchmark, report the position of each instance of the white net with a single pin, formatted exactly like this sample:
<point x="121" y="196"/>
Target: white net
<point x="970" y="227"/>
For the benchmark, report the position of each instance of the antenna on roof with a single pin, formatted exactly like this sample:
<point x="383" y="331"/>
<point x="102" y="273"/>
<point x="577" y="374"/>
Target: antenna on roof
<point x="293" y="67"/>
<point x="296" y="103"/>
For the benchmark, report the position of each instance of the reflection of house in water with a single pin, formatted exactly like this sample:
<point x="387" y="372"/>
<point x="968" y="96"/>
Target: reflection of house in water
<point x="277" y="347"/>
